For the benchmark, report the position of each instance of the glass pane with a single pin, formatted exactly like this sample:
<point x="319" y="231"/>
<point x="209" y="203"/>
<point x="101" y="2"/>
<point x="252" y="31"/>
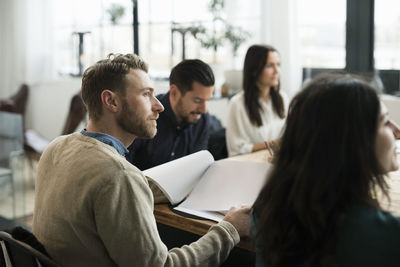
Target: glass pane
<point x="103" y="37"/>
<point x="164" y="24"/>
<point x="387" y="34"/>
<point x="322" y="33"/>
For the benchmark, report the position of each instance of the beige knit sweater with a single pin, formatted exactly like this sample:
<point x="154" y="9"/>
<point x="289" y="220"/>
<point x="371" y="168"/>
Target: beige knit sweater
<point x="94" y="208"/>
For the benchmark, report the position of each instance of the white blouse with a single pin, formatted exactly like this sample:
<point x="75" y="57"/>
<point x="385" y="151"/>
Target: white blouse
<point x="241" y="134"/>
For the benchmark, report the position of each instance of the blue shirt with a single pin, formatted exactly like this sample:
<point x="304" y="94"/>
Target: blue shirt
<point x="109" y="140"/>
<point x="172" y="140"/>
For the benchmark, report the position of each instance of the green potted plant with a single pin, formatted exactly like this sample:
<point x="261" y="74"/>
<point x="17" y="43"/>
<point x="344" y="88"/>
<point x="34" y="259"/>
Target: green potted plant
<point x="213" y="38"/>
<point x="116" y="12"/>
<point x="221" y="32"/>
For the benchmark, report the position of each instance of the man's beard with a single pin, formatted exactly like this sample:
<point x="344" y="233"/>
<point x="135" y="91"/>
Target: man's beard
<point x="130" y="121"/>
<point x="183" y="116"/>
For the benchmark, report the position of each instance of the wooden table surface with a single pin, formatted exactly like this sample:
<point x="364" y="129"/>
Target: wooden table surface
<point x="165" y="216"/>
<point x="199" y="227"/>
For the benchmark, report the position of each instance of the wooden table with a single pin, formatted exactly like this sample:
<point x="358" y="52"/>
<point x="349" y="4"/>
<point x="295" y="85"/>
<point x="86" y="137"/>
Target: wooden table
<point x="199" y="227"/>
<point x="165" y="216"/>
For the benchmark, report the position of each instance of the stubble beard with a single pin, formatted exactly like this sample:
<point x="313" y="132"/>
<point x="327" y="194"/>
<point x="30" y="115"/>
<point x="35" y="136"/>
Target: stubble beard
<point x="130" y="121"/>
<point x="184" y="117"/>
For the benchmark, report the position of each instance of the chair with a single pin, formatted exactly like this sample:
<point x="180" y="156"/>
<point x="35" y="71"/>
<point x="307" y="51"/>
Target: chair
<point x="76" y="114"/>
<point x="217" y="139"/>
<point x="17" y="102"/>
<point x="19" y="254"/>
<point x="12" y="155"/>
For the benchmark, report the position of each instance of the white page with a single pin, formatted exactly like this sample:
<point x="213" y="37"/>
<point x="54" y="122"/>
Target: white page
<point x="178" y="177"/>
<point x="210" y="215"/>
<point x="227" y="183"/>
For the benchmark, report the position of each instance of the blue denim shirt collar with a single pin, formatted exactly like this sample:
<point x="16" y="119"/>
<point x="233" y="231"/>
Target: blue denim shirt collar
<point x="109" y="140"/>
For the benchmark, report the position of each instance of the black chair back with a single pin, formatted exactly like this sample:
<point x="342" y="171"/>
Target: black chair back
<point x="19" y="254"/>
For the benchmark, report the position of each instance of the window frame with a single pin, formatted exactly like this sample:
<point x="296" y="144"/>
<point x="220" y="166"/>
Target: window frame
<point x="360" y="42"/>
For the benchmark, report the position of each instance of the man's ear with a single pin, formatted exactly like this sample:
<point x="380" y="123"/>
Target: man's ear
<point x="174" y="90"/>
<point x="174" y="93"/>
<point x="110" y="100"/>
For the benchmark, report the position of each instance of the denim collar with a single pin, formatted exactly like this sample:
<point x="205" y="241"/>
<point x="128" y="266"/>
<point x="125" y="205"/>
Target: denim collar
<point x="107" y="139"/>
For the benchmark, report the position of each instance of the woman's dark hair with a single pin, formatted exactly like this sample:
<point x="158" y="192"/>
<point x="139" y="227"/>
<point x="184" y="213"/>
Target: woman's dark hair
<point x="326" y="163"/>
<point x="254" y="63"/>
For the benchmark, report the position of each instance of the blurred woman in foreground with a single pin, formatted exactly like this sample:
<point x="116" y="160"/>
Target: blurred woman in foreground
<point x="319" y="206"/>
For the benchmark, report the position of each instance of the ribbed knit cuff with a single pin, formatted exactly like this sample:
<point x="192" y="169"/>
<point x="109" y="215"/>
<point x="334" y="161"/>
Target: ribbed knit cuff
<point x="230" y="229"/>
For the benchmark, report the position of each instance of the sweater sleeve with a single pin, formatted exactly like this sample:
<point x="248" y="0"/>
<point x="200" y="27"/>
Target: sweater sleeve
<point x="237" y="137"/>
<point x="126" y="224"/>
<point x="158" y="195"/>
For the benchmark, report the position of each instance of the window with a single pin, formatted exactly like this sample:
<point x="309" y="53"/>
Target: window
<point x="164" y="28"/>
<point x="100" y="36"/>
<point x="322" y="33"/>
<point x="158" y="44"/>
<point x="387" y="34"/>
<point x="387" y="44"/>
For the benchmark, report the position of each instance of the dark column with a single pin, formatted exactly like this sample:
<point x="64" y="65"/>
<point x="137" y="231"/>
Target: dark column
<point x="80" y="51"/>
<point x="135" y="25"/>
<point x="360" y="36"/>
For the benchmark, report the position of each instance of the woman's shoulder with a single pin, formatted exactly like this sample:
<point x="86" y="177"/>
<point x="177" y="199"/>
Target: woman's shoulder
<point x="368" y="236"/>
<point x="363" y="223"/>
<point x="371" y="214"/>
<point x="237" y="97"/>
<point x="237" y="100"/>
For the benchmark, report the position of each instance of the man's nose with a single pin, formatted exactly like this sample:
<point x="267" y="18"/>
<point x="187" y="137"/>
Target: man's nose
<point x="203" y="107"/>
<point x="157" y="106"/>
<point x="277" y="69"/>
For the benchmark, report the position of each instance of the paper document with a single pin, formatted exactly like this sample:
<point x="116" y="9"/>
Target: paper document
<point x="209" y="187"/>
<point x="178" y="177"/>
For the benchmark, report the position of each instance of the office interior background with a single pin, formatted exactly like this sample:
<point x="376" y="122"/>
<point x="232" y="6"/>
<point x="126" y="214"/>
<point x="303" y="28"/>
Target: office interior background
<point x="47" y="43"/>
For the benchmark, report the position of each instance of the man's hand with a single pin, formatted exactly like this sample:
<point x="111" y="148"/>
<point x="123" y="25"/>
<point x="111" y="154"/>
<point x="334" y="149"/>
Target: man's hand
<point x="239" y="217"/>
<point x="395" y="128"/>
<point x="275" y="145"/>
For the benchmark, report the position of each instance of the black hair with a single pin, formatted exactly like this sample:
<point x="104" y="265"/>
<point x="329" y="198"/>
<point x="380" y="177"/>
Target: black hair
<point x="187" y="71"/>
<point x="326" y="163"/>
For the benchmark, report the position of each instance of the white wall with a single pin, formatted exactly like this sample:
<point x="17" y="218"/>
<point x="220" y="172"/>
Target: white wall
<point x="25" y="43"/>
<point x="219" y="108"/>
<point x="48" y="106"/>
<point x="279" y="29"/>
<point x="49" y="102"/>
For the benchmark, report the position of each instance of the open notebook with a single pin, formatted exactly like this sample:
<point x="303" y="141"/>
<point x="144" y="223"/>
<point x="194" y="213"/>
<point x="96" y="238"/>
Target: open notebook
<point x="207" y="188"/>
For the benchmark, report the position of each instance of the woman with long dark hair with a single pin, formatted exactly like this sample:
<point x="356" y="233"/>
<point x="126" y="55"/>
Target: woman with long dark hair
<point x="319" y="206"/>
<point x="256" y="115"/>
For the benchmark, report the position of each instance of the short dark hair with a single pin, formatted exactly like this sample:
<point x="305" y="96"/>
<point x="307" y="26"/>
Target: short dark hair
<point x="187" y="71"/>
<point x="254" y="63"/>
<point x="326" y="163"/>
<point x="108" y="74"/>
